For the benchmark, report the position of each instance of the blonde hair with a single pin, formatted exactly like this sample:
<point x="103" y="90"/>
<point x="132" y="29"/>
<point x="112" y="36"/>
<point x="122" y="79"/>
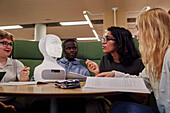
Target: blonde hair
<point x="154" y="32"/>
<point x="5" y="34"/>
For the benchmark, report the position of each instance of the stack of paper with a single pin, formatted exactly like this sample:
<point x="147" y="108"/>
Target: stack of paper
<point x="136" y="85"/>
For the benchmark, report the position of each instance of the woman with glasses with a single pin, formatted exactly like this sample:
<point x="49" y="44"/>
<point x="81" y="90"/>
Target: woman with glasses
<point x="14" y="69"/>
<point x="121" y="56"/>
<point x="121" y="53"/>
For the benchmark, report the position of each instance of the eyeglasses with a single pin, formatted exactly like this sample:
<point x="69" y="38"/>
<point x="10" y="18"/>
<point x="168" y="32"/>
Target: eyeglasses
<point x="104" y="40"/>
<point x="4" y="43"/>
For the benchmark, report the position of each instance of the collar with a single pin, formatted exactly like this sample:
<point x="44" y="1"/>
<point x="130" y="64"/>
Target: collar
<point x="9" y="61"/>
<point x="64" y="60"/>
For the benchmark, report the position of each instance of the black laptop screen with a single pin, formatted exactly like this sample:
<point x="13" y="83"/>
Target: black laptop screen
<point x="2" y="75"/>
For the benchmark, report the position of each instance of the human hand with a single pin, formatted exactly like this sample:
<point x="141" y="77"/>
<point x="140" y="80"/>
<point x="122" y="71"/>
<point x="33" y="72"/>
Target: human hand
<point x="24" y="74"/>
<point x="106" y="74"/>
<point x="92" y="66"/>
<point x="7" y="108"/>
<point x="10" y="109"/>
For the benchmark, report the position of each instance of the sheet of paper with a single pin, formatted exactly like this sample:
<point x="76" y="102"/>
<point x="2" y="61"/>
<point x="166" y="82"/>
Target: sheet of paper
<point x="18" y="83"/>
<point x="29" y="82"/>
<point x="116" y="84"/>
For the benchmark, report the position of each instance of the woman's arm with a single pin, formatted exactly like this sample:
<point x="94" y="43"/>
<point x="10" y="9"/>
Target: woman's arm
<point x="163" y="100"/>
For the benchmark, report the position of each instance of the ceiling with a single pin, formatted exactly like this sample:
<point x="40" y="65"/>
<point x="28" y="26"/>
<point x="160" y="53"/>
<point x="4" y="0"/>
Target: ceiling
<point x="25" y="12"/>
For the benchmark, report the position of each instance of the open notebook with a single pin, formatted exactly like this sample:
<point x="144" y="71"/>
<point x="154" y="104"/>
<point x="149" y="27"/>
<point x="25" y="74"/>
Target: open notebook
<point x="136" y="85"/>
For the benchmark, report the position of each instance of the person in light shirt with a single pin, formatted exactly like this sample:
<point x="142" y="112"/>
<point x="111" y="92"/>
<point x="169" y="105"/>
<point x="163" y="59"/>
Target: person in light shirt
<point x="154" y="45"/>
<point x="15" y="70"/>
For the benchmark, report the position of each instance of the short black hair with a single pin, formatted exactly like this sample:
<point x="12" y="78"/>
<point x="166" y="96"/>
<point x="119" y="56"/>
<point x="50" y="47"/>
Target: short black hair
<point x="125" y="45"/>
<point x="69" y="40"/>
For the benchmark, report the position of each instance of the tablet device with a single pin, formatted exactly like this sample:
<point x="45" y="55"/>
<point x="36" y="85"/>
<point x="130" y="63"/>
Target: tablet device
<point x="2" y="75"/>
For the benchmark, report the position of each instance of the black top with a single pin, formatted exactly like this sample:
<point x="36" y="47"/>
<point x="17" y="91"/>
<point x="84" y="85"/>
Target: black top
<point x="107" y="64"/>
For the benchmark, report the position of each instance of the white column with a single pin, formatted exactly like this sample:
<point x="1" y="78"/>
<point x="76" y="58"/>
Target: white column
<point x="114" y="9"/>
<point x="40" y="31"/>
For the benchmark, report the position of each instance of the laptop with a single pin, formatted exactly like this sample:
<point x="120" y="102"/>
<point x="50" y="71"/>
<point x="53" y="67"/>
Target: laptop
<point x="2" y="75"/>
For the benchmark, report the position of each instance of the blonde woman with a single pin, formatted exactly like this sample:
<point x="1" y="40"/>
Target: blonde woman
<point x="154" y="45"/>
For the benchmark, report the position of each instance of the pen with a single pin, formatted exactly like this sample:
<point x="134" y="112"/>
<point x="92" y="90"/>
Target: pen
<point x="24" y="68"/>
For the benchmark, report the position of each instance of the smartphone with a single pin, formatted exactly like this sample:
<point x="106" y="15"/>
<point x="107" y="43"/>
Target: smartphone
<point x="68" y="84"/>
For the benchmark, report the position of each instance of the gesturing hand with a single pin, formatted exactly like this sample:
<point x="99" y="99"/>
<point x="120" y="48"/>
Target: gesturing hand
<point x="92" y="66"/>
<point x="24" y="74"/>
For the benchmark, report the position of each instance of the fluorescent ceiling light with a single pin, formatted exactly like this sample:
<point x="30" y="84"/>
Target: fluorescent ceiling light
<point x="95" y="33"/>
<point x="90" y="24"/>
<point x="144" y="9"/>
<point x="74" y="23"/>
<point x="11" y="27"/>
<point x="90" y="38"/>
<point x="88" y="20"/>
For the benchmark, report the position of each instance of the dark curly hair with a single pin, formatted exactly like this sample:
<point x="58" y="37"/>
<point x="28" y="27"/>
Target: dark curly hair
<point x="124" y="45"/>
